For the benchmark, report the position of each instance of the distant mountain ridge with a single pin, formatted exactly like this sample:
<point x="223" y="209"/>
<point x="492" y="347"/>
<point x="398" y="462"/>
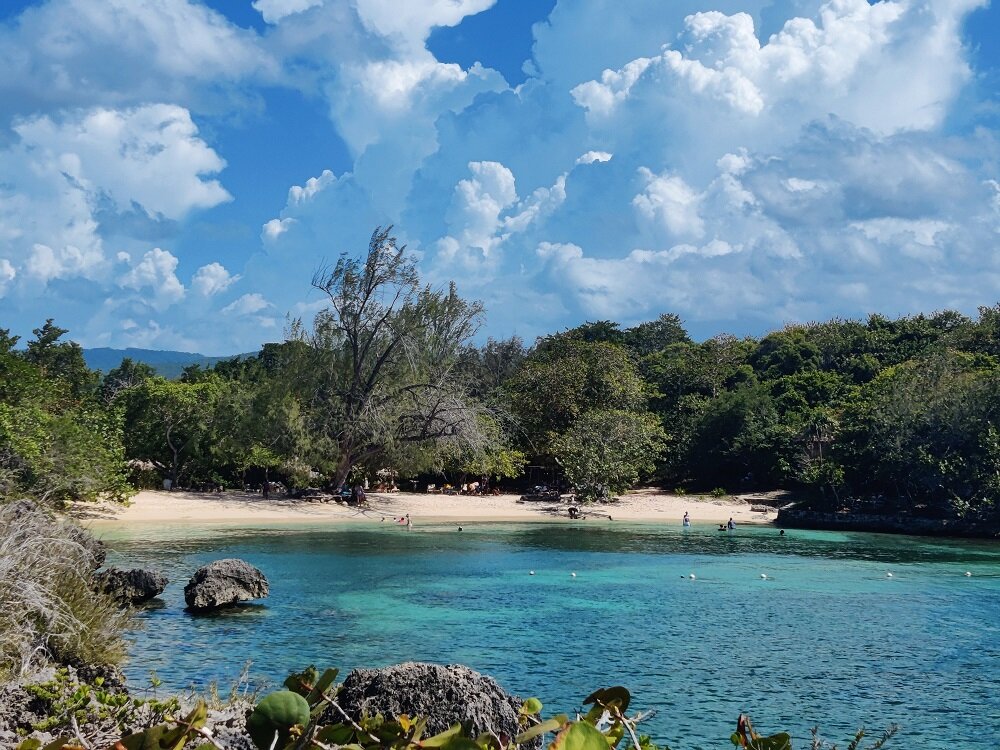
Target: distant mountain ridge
<point x="166" y="363"/>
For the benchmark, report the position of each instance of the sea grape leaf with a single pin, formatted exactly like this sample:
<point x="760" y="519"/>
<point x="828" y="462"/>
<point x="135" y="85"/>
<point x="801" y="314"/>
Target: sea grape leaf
<point x="781" y="741"/>
<point x="531" y="706"/>
<point x="579" y="736"/>
<point x="616" y="695"/>
<point x="321" y="685"/>
<point x="550" y="725"/>
<point x="443" y="738"/>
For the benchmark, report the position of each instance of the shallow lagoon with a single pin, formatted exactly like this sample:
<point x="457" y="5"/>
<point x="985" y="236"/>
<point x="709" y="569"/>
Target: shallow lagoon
<point x="828" y="638"/>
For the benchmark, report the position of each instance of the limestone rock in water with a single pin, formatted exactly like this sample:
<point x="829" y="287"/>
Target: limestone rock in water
<point x="224" y="582"/>
<point x="131" y="587"/>
<point x="443" y="695"/>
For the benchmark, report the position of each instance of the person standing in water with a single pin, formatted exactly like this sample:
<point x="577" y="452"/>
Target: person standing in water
<point x="687" y="519"/>
<point x="731" y="525"/>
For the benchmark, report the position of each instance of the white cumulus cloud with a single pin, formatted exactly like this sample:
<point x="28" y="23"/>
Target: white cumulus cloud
<point x="247" y="305"/>
<point x="120" y="53"/>
<point x="212" y="279"/>
<point x="670" y="203"/>
<point x="156" y="272"/>
<point x="149" y="155"/>
<point x="7" y="274"/>
<point x="274" y="10"/>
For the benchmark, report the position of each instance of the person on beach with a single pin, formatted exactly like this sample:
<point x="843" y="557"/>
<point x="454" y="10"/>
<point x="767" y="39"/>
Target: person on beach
<point x="687" y="519"/>
<point x="358" y="496"/>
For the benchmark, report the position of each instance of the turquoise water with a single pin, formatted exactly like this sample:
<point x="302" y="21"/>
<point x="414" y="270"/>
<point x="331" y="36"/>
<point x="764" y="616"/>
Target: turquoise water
<point x="827" y="639"/>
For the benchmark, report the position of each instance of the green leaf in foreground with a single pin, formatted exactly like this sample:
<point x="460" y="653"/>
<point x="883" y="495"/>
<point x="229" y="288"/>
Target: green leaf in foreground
<point x="531" y="706"/>
<point x="580" y="736"/>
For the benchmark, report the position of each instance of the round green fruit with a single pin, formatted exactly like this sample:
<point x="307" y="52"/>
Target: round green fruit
<point x="276" y="714"/>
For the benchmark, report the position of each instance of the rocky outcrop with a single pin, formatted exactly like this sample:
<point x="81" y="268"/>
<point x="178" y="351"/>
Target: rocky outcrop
<point x="131" y="587"/>
<point x="223" y="583"/>
<point x="25" y="712"/>
<point x="796" y="518"/>
<point x="444" y="695"/>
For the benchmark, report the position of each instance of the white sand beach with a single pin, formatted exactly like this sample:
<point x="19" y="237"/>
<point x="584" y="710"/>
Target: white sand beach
<point x="152" y="507"/>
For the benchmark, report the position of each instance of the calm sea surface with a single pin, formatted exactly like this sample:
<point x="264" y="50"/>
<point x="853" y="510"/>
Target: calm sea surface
<point x="828" y="638"/>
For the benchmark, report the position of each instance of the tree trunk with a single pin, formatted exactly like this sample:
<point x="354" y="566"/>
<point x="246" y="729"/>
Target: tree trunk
<point x="344" y="466"/>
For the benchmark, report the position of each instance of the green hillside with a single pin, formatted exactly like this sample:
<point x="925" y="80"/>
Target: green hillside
<point x="169" y="364"/>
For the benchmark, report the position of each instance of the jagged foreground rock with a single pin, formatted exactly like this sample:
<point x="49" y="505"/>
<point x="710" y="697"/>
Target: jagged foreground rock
<point x="444" y="695"/>
<point x="131" y="587"/>
<point x="224" y="582"/>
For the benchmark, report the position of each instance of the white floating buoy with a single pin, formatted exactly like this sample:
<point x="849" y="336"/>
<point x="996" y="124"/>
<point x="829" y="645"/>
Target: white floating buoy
<point x="691" y="576"/>
<point x="888" y="575"/>
<point x="531" y="572"/>
<point x="573" y="574"/>
<point x="764" y="576"/>
<point x="968" y="574"/>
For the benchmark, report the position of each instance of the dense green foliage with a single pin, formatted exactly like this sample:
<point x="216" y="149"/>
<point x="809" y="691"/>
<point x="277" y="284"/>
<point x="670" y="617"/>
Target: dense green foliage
<point x="386" y="384"/>
<point x="58" y="440"/>
<point x="308" y="716"/>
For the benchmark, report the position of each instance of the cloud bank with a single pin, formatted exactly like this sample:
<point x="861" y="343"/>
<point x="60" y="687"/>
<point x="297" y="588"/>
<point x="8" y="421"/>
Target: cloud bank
<point x="744" y="166"/>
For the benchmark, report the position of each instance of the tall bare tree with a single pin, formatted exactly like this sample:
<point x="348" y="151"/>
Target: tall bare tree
<point x="385" y="354"/>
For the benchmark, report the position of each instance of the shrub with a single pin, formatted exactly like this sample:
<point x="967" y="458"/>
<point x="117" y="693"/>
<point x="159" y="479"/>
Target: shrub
<point x="298" y="719"/>
<point x="48" y="606"/>
<point x="718" y="492"/>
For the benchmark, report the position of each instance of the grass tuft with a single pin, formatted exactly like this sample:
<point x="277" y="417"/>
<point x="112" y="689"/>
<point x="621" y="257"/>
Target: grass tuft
<point x="49" y="609"/>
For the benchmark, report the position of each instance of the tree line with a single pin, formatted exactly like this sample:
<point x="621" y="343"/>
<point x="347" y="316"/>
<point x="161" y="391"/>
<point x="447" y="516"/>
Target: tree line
<point x="387" y="383"/>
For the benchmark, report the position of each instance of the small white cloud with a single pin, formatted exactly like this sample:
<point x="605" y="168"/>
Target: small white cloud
<point x="123" y="257"/>
<point x="413" y="20"/>
<point x="46" y="263"/>
<point x="297" y="194"/>
<point x="275" y="228"/>
<point x="890" y="229"/>
<point x="734" y="164"/>
<point x="474" y="216"/>
<point x="212" y="279"/>
<point x="247" y="305"/>
<point x="603" y="97"/>
<point x="275" y="10"/>
<point x="7" y="274"/>
<point x="796" y="185"/>
<point x="559" y="252"/>
<point x="156" y="271"/>
<point x="671" y="204"/>
<point x="591" y="156"/>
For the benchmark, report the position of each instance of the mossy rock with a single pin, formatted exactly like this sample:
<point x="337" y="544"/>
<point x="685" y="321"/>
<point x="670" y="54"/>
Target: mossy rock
<point x="278" y="712"/>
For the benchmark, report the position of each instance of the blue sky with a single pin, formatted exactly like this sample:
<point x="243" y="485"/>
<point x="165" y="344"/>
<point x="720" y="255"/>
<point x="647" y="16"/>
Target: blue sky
<point x="173" y="172"/>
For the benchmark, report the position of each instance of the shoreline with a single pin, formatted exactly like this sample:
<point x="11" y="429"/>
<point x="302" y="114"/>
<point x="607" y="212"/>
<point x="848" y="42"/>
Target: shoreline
<point x="150" y="507"/>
